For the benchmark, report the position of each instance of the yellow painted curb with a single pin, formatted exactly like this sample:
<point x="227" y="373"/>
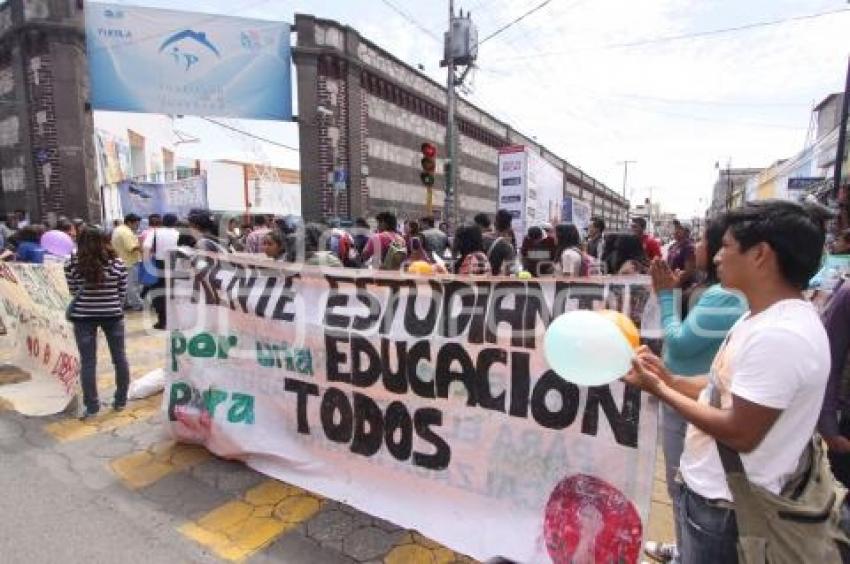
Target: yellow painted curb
<point x="239" y="528"/>
<point x="71" y="429"/>
<point x="141" y="469"/>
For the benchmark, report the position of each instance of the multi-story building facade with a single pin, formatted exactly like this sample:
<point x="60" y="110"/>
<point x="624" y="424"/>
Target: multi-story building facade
<point x="363" y="116"/>
<point x="46" y="132"/>
<point x="730" y="189"/>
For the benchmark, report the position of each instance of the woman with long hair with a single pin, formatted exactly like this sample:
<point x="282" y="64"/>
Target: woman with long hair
<point x="469" y="250"/>
<point x="97" y="279"/>
<point x="690" y="345"/>
<point x="568" y="251"/>
<point x="630" y="257"/>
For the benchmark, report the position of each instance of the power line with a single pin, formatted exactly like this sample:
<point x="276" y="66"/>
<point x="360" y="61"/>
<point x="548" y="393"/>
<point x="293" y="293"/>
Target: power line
<point x="515" y="21"/>
<point x="249" y="134"/>
<point x="707" y="33"/>
<point x="412" y="21"/>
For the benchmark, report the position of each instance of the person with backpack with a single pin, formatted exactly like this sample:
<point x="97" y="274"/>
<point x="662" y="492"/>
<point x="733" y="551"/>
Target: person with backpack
<point x="500" y="244"/>
<point x="689" y="348"/>
<point x="571" y="259"/>
<point x="538" y="252"/>
<point x="754" y="482"/>
<point x="469" y="250"/>
<point x="387" y="248"/>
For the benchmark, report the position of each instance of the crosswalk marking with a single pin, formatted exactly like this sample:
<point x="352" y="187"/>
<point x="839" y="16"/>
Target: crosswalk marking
<point x="239" y="528"/>
<point x="140" y="469"/>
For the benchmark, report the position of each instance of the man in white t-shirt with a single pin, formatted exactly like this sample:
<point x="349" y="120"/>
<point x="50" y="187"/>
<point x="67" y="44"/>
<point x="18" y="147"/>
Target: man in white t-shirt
<point x="157" y="245"/>
<point x="771" y="374"/>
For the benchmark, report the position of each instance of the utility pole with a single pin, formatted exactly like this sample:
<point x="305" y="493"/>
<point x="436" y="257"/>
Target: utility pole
<point x="625" y="173"/>
<point x="841" y="149"/>
<point x="461" y="49"/>
<point x="452" y="201"/>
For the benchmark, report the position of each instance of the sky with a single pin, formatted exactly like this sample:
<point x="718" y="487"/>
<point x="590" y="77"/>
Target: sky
<point x="591" y="81"/>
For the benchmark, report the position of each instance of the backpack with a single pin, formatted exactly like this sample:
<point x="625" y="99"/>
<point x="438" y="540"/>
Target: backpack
<point x="803" y="524"/>
<point x="396" y="254"/>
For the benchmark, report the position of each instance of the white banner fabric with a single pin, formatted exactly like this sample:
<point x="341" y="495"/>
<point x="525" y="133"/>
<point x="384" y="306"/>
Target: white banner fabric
<point x="33" y="299"/>
<point x="427" y="402"/>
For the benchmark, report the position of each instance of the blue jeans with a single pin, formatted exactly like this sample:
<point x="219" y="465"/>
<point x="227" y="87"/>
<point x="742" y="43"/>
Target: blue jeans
<point x="709" y="532"/>
<point x="85" y="332"/>
<point x="673" y="428"/>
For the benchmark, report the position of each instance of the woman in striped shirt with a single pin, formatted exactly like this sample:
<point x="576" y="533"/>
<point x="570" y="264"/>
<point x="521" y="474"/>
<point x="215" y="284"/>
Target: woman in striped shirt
<point x="97" y="279"/>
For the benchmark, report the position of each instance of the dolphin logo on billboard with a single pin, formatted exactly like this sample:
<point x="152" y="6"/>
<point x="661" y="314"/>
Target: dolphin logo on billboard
<point x="190" y="59"/>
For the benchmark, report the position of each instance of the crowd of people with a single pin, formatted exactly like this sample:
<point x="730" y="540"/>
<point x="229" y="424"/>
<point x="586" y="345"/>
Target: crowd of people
<point x="747" y="363"/>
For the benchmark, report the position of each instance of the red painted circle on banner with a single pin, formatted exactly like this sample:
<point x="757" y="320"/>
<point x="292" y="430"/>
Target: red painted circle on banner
<point x="588" y="520"/>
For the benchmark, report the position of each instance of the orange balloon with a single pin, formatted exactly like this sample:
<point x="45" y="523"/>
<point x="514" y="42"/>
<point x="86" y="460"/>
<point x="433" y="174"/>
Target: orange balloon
<point x="624" y="324"/>
<point x="420" y="267"/>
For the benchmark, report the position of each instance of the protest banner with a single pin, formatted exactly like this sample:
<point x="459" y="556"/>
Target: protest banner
<point x="424" y="401"/>
<point x="175" y="196"/>
<point x="33" y="299"/>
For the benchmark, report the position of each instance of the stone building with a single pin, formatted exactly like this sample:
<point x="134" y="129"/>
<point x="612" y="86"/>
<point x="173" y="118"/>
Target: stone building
<point x="46" y="132"/>
<point x="363" y="116"/>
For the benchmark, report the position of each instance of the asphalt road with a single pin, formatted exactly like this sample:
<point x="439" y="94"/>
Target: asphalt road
<point x="118" y="489"/>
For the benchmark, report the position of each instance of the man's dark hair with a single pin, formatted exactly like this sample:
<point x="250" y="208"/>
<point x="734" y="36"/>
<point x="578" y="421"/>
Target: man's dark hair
<point x="154" y="220"/>
<point x="535" y="233"/>
<point x="201" y="220"/>
<point x="388" y="219"/>
<point x="260" y="220"/>
<point x="131" y="218"/>
<point x="468" y="240"/>
<point x="503" y="220"/>
<point x="64" y="225"/>
<point x="427" y="222"/>
<point x="361" y="222"/>
<point x="482" y="220"/>
<point x="795" y="233"/>
<point x="640" y="222"/>
<point x="169" y="220"/>
<point x="30" y="233"/>
<point x="598" y="223"/>
<point x="313" y="237"/>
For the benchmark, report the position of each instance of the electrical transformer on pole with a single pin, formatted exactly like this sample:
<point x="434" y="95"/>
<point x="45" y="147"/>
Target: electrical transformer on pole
<point x="460" y="49"/>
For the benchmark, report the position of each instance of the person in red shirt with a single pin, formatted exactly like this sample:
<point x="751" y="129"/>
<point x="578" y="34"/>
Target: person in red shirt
<point x="650" y="245"/>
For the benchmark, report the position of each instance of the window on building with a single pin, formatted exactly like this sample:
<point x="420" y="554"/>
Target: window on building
<point x="138" y="167"/>
<point x="168" y="163"/>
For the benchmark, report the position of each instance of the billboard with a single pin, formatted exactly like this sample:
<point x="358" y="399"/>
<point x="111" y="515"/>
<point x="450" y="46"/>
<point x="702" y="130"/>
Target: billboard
<point x="512" y="184"/>
<point x="545" y="191"/>
<point x="530" y="188"/>
<point x="164" y="61"/>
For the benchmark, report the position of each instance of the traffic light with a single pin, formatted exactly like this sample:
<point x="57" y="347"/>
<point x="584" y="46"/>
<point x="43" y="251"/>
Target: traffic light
<point x="429" y="164"/>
